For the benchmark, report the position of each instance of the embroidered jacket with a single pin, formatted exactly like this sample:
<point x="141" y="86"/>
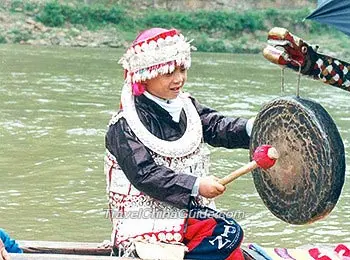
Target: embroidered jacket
<point x="137" y="174"/>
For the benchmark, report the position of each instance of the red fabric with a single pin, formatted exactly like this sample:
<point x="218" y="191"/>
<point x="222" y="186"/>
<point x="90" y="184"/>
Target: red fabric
<point x="261" y="158"/>
<point x="153" y="34"/>
<point x="342" y="247"/>
<point x="315" y="253"/>
<point x="236" y="255"/>
<point x="197" y="230"/>
<point x="210" y="237"/>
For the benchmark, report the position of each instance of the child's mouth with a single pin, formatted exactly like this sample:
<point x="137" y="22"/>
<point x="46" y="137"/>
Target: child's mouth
<point x="175" y="89"/>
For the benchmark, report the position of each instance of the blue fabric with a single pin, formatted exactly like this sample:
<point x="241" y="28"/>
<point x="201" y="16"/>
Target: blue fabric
<point x="10" y="245"/>
<point x="333" y="12"/>
<point x="225" y="238"/>
<point x="322" y="2"/>
<point x="259" y="250"/>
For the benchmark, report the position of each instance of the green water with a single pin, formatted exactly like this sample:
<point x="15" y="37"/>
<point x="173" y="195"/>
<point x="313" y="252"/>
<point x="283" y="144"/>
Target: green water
<point x="55" y="104"/>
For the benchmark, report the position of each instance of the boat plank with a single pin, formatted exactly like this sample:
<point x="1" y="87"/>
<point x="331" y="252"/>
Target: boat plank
<point x="63" y="257"/>
<point x="57" y="247"/>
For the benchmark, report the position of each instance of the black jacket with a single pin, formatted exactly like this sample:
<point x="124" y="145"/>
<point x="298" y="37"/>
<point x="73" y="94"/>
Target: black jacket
<point x="135" y="159"/>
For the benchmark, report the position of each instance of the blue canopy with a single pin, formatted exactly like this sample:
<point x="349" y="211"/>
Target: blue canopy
<point x="333" y="12"/>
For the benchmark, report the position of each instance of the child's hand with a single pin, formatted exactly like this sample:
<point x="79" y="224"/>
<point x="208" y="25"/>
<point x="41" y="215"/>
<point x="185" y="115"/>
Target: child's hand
<point x="209" y="187"/>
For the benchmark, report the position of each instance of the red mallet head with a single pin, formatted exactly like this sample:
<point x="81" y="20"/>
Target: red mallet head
<point x="265" y="156"/>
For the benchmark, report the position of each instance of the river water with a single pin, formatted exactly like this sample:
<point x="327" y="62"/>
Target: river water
<point x="55" y="105"/>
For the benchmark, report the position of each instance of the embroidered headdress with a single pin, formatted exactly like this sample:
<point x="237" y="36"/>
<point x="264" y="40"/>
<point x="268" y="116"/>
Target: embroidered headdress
<point x="155" y="52"/>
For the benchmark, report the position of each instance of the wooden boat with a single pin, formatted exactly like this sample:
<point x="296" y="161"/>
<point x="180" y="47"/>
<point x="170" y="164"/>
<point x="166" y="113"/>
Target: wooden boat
<point x="48" y="250"/>
<point x="63" y="257"/>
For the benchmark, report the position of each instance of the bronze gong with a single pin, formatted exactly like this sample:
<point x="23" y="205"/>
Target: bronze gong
<point x="305" y="183"/>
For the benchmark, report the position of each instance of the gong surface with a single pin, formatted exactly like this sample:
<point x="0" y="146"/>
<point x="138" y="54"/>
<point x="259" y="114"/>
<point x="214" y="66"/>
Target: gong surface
<point x="305" y="183"/>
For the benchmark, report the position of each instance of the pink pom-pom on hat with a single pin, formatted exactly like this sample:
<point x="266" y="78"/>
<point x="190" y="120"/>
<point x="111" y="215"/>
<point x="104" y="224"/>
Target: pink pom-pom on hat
<point x="138" y="88"/>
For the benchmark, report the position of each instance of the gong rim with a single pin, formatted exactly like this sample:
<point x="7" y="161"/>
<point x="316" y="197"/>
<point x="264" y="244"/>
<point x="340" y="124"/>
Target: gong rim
<point x="292" y="191"/>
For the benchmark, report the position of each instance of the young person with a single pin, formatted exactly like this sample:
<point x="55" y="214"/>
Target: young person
<point x="157" y="164"/>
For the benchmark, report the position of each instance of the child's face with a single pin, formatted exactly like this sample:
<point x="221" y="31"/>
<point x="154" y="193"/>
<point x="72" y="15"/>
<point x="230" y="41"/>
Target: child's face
<point x="167" y="86"/>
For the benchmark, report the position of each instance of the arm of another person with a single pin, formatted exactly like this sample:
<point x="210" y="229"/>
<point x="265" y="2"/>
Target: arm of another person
<point x="3" y="253"/>
<point x="221" y="131"/>
<point x="7" y="245"/>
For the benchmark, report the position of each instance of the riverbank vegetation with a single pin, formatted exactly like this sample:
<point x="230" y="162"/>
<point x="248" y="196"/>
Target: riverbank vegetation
<point x="116" y="24"/>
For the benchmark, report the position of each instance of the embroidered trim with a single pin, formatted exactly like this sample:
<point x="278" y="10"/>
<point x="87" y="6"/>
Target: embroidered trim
<point x="185" y="145"/>
<point x="127" y="205"/>
<point x="156" y="56"/>
<point x="115" y="118"/>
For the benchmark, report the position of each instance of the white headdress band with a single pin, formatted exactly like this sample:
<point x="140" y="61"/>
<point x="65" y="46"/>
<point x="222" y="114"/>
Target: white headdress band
<point x="156" y="56"/>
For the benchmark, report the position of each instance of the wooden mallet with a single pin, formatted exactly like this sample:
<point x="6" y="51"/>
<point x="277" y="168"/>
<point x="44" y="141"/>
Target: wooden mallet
<point x="264" y="156"/>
